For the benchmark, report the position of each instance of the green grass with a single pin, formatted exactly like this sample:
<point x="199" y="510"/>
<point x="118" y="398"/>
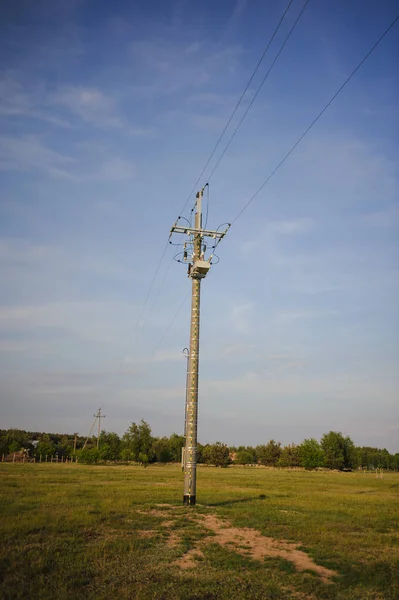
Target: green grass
<point x="74" y="531"/>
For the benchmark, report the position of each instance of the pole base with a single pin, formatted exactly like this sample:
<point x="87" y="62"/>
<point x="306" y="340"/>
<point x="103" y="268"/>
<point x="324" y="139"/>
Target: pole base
<point x="188" y="500"/>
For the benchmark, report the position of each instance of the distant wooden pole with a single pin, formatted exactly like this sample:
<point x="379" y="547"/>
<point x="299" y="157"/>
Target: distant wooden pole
<point x="99" y="416"/>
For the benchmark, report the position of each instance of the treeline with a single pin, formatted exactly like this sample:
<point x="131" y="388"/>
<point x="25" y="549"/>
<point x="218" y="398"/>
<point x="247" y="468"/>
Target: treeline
<point x="333" y="451"/>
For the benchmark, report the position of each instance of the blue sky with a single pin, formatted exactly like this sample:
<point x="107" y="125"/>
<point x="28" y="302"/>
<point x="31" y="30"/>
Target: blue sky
<point x="108" y="113"/>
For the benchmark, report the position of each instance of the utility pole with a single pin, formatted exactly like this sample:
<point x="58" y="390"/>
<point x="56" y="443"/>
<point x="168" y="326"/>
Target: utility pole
<point x="186" y="354"/>
<point x="198" y="268"/>
<point x="99" y="416"/>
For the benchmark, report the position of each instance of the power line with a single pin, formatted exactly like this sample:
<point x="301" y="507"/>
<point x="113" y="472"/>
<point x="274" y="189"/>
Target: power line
<point x="136" y="329"/>
<point x="165" y="333"/>
<point x="258" y="90"/>
<point x="139" y="320"/>
<point x="299" y="140"/>
<point x="238" y="104"/>
<point x="151" y="308"/>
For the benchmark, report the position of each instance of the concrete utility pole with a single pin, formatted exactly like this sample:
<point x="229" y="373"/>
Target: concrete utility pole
<point x="186" y="354"/>
<point x="198" y="268"/>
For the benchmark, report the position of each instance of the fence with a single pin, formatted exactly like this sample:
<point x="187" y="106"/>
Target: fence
<point x="22" y="457"/>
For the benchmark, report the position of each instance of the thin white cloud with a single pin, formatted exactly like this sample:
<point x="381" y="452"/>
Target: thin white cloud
<point x="39" y="273"/>
<point x="235" y="349"/>
<point x="387" y="218"/>
<point x="193" y="48"/>
<point x="175" y="70"/>
<point x="356" y="387"/>
<point x="28" y="153"/>
<point x="272" y="230"/>
<point x="116" y="169"/>
<point x="241" y="317"/>
<point x="287" y="317"/>
<point x="17" y="100"/>
<point x="63" y="106"/>
<point x="292" y="226"/>
<point x="91" y="320"/>
<point x="235" y="19"/>
<point x="89" y="104"/>
<point x="167" y="356"/>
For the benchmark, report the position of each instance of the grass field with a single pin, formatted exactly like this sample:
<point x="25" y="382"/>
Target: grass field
<point x="74" y="531"/>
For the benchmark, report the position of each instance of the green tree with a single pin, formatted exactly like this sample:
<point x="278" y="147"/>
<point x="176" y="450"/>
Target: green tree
<point x="269" y="454"/>
<point x="138" y="440"/>
<point x="16" y="439"/>
<point x="143" y="458"/>
<point x="3" y="442"/>
<point x="161" y="450"/>
<point x="290" y="456"/>
<point x="89" y="456"/>
<point x="176" y="443"/>
<point x="243" y="457"/>
<point x="64" y="446"/>
<point x="14" y="446"/>
<point x="110" y="446"/>
<point x="339" y="451"/>
<point x="126" y="455"/>
<point x="45" y="446"/>
<point x="217" y="454"/>
<point x="311" y="453"/>
<point x="200" y="452"/>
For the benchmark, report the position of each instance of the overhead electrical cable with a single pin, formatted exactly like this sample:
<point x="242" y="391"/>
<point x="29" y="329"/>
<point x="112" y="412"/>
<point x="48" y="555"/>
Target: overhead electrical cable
<point x="141" y="314"/>
<point x="237" y="105"/>
<point x="299" y="140"/>
<point x="140" y="318"/>
<point x="165" y="333"/>
<point x="151" y="307"/>
<point x="259" y="88"/>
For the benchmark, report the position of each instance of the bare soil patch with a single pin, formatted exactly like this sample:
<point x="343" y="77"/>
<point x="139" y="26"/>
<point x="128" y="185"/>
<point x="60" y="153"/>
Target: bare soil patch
<point x="187" y="561"/>
<point x="168" y="524"/>
<point x="243" y="540"/>
<point x="173" y="540"/>
<point x="154" y="512"/>
<point x="258" y="546"/>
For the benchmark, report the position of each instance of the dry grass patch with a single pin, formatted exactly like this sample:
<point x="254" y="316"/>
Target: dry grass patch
<point x="147" y="533"/>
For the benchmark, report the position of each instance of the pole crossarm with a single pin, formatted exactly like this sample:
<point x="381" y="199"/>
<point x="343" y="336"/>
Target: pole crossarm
<point x="202" y="232"/>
